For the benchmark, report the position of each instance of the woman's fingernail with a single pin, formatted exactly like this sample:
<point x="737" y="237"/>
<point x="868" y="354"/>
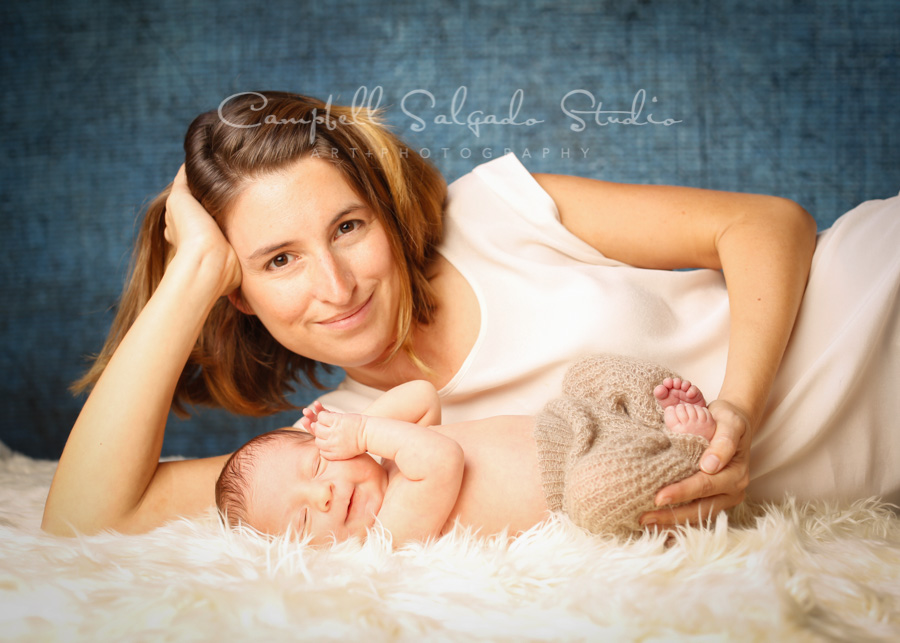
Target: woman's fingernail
<point x="710" y="464"/>
<point x="646" y="522"/>
<point x="665" y="500"/>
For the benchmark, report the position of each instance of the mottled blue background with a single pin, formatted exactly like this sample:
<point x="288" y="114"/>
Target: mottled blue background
<point x="792" y="98"/>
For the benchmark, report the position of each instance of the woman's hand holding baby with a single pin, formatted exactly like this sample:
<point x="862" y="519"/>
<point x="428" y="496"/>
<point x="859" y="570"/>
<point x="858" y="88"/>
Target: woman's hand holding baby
<point x="339" y="436"/>
<point x="724" y="475"/>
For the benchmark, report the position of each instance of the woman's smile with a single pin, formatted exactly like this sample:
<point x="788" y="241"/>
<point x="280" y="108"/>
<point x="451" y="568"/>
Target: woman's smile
<point x="348" y="320"/>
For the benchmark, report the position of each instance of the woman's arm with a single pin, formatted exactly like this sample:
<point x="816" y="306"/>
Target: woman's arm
<point x="764" y="247"/>
<point x="109" y="476"/>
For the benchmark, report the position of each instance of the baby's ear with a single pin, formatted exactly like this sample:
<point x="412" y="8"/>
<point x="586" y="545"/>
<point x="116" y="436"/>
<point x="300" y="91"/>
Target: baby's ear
<point x="238" y="302"/>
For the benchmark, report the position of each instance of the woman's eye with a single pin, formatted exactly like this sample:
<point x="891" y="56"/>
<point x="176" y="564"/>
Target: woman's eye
<point x="348" y="226"/>
<point x="280" y="261"/>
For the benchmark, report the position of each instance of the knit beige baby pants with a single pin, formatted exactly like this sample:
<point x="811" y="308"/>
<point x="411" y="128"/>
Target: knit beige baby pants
<point x="603" y="449"/>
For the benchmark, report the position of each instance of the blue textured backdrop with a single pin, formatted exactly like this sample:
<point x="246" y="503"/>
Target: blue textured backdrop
<point x="791" y="98"/>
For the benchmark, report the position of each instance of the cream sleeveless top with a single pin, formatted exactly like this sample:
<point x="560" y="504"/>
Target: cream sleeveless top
<point x="547" y="298"/>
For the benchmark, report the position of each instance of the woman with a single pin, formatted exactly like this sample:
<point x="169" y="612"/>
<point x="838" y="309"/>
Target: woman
<point x="330" y="242"/>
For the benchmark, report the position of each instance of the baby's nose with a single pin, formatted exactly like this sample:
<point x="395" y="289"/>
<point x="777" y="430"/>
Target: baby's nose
<point x="322" y="493"/>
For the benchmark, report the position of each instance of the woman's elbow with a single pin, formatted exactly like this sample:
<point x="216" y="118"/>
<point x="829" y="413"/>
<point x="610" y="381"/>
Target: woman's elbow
<point x="793" y="227"/>
<point x="64" y="521"/>
<point x="55" y="527"/>
<point x="58" y="524"/>
<point x="800" y="222"/>
<point x="807" y="231"/>
<point x="56" y="520"/>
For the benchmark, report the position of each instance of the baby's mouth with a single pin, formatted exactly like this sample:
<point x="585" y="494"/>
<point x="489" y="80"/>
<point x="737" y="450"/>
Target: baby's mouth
<point x="350" y="504"/>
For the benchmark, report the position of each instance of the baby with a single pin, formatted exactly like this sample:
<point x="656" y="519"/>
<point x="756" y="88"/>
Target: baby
<point x="622" y="430"/>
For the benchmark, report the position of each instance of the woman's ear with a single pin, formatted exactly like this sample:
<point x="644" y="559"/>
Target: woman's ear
<point x="238" y="302"/>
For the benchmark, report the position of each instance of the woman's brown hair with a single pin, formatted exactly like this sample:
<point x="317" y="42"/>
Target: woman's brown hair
<point x="236" y="363"/>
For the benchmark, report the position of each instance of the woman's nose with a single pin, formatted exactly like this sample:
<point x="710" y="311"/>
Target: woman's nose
<point x="334" y="282"/>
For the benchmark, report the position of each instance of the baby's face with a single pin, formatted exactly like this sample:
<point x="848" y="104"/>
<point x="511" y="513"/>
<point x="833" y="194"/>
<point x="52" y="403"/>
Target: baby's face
<point x="294" y="487"/>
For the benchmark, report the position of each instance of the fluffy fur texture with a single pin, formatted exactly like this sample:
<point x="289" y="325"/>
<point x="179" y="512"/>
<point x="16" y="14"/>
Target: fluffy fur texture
<point x="789" y="572"/>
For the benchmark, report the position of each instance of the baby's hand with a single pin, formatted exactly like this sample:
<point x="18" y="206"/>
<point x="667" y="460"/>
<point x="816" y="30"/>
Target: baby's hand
<point x="339" y="436"/>
<point x="310" y="413"/>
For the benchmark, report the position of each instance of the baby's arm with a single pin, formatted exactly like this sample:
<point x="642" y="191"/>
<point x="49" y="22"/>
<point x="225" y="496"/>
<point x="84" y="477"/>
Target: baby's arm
<point x="417" y="502"/>
<point x="415" y="402"/>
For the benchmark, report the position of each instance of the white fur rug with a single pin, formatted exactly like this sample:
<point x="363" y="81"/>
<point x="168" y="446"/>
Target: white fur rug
<point x="795" y="573"/>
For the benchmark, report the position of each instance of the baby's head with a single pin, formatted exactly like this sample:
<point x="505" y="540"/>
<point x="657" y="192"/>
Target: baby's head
<point x="239" y="474"/>
<point x="278" y="482"/>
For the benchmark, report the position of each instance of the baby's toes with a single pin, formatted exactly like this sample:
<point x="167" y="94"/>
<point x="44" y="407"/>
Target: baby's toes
<point x="686" y="412"/>
<point x="676" y="418"/>
<point x="661" y="391"/>
<point x="696" y="397"/>
<point x="706" y="425"/>
<point x="670" y="417"/>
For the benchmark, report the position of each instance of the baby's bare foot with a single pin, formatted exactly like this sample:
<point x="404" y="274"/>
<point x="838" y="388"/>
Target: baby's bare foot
<point x="675" y="390"/>
<point x="690" y="418"/>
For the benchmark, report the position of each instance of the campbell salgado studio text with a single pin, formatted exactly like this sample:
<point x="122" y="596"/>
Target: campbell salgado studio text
<point x="581" y="109"/>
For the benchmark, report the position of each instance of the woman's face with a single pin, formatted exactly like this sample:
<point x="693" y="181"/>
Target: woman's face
<point x="316" y="263"/>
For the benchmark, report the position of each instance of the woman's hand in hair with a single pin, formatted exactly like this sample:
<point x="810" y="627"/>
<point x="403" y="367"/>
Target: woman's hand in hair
<point x="191" y="231"/>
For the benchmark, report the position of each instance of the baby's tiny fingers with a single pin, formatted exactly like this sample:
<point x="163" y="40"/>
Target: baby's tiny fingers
<point x="326" y="418"/>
